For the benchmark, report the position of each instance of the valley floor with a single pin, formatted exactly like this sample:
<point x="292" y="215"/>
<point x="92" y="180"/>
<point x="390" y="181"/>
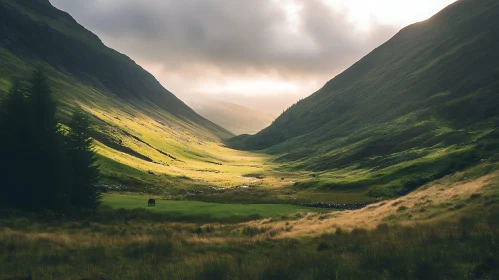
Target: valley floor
<point x="447" y="229"/>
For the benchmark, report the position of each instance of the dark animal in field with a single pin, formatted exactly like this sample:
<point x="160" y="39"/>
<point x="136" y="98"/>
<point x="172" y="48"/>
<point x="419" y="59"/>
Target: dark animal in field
<point x="151" y="202"/>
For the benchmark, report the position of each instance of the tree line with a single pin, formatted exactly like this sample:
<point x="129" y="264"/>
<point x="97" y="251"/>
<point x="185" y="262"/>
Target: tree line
<point x="42" y="165"/>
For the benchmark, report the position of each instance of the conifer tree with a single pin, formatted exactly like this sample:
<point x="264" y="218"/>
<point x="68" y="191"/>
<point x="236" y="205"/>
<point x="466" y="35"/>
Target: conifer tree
<point x="84" y="170"/>
<point x="48" y="164"/>
<point x="40" y="167"/>
<point x="14" y="136"/>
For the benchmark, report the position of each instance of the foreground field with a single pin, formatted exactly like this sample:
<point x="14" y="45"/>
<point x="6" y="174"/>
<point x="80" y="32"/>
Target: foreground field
<point x="463" y="249"/>
<point x="448" y="229"/>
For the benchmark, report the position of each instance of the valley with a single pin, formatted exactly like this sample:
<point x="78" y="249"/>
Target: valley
<point x="202" y="169"/>
<point x="390" y="171"/>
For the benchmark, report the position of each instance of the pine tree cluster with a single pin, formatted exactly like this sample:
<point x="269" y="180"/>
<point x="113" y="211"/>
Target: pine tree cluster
<point x="42" y="167"/>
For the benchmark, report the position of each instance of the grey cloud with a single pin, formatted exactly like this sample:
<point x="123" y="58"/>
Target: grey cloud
<point x="230" y="36"/>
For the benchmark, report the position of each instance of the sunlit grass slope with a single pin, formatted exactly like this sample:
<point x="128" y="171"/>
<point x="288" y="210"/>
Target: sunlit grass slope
<point x="145" y="136"/>
<point x="470" y="192"/>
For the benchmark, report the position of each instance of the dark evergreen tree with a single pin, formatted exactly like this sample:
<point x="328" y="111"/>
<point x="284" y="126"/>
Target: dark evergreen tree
<point x="84" y="170"/>
<point x="14" y="137"/>
<point x="40" y="167"/>
<point x="48" y="165"/>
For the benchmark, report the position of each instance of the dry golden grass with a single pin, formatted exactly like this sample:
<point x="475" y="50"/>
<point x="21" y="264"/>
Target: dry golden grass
<point x="71" y="239"/>
<point x="435" y="201"/>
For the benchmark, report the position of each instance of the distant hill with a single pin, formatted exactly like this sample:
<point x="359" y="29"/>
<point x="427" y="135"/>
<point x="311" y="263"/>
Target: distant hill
<point x="423" y="104"/>
<point x="235" y="118"/>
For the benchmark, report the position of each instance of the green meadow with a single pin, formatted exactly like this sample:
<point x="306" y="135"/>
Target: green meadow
<point x="197" y="208"/>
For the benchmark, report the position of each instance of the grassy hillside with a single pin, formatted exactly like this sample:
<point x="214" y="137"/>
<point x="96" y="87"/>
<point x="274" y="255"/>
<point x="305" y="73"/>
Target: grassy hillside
<point x="146" y="137"/>
<point x="36" y="32"/>
<point x="235" y="118"/>
<point x="421" y="106"/>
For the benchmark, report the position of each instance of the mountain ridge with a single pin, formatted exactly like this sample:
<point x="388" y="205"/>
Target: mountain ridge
<point x="332" y="85"/>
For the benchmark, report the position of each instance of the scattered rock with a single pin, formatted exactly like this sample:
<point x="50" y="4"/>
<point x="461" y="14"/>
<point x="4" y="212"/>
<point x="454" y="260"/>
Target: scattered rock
<point x="216" y="188"/>
<point x="353" y="206"/>
<point x="114" y="188"/>
<point x="194" y="192"/>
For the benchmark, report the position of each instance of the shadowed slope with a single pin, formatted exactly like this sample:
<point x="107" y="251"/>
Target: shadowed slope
<point x="432" y="87"/>
<point x="443" y="69"/>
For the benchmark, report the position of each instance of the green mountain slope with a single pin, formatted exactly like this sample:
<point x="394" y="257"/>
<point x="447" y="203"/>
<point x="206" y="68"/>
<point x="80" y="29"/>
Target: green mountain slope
<point x="145" y="135"/>
<point x="235" y="118"/>
<point x="422" y="105"/>
<point x="33" y="30"/>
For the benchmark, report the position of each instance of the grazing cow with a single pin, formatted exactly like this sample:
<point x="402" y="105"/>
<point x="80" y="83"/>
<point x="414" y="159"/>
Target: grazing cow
<point x="151" y="202"/>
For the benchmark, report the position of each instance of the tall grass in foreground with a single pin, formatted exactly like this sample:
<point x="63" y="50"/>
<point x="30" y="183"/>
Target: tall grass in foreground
<point x="463" y="249"/>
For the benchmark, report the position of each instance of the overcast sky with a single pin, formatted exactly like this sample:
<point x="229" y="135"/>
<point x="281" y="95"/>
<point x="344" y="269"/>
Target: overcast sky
<point x="265" y="54"/>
